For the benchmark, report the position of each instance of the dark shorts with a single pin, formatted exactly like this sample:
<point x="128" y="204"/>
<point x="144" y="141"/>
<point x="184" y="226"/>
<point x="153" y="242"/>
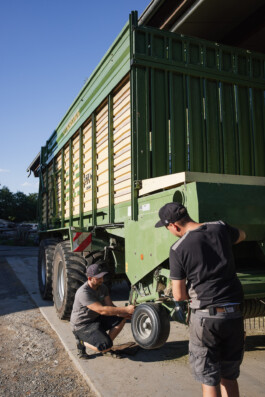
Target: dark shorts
<point x="95" y="333"/>
<point x="216" y="346"/>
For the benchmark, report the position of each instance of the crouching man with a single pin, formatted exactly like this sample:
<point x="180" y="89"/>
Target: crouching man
<point x="95" y="320"/>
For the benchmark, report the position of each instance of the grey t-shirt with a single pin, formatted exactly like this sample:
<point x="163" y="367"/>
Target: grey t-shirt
<point x="85" y="296"/>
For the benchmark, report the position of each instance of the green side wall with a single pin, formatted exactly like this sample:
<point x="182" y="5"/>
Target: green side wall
<point x="242" y="206"/>
<point x="198" y="106"/>
<point x="195" y="106"/>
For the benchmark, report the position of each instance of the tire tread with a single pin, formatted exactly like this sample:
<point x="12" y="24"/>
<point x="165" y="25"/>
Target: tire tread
<point x="75" y="266"/>
<point x="46" y="248"/>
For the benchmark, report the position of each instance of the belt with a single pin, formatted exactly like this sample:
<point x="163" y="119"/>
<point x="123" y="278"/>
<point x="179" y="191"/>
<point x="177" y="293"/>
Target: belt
<point x="222" y="309"/>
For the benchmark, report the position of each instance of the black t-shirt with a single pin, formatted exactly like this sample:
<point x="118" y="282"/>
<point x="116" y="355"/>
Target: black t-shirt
<point x="204" y="257"/>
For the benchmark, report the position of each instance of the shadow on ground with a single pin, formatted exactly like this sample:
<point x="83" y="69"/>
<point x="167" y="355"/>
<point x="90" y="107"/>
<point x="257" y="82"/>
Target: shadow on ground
<point x="13" y="295"/>
<point x="255" y="343"/>
<point x="179" y="350"/>
<point x="170" y="351"/>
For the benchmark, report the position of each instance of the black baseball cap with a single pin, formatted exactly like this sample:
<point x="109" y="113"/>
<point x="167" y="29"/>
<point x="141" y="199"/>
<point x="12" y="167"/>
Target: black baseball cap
<point x="171" y="213"/>
<point x="96" y="270"/>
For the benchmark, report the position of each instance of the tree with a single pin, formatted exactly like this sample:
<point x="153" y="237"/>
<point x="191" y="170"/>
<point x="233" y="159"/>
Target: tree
<point x="18" y="206"/>
<point x="6" y="203"/>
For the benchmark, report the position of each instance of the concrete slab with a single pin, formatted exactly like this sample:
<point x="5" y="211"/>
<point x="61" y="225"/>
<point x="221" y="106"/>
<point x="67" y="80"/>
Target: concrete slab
<point x="156" y="372"/>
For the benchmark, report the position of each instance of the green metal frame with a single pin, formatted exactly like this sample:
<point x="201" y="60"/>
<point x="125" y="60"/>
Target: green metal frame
<point x="195" y="106"/>
<point x="110" y="159"/>
<point x="205" y="202"/>
<point x="208" y="99"/>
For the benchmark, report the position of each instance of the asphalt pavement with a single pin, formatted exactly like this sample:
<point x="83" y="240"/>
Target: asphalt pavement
<point x="163" y="371"/>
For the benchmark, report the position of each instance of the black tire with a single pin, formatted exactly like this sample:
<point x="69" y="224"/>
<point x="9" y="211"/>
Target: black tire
<point x="150" y="325"/>
<point x="45" y="266"/>
<point x="69" y="273"/>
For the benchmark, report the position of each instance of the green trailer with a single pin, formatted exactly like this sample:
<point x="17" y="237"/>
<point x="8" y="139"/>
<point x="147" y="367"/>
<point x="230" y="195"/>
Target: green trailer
<point x="164" y="117"/>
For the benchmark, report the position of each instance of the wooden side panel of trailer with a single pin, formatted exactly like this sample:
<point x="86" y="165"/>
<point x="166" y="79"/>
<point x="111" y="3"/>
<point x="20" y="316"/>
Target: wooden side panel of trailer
<point x="122" y="144"/>
<point x="71" y="193"/>
<point x="58" y="185"/>
<point x="75" y="175"/>
<point x="66" y="181"/>
<point x="102" y="170"/>
<point x="87" y="166"/>
<point x="50" y="192"/>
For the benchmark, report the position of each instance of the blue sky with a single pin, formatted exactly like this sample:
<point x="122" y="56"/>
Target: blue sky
<point x="48" y="48"/>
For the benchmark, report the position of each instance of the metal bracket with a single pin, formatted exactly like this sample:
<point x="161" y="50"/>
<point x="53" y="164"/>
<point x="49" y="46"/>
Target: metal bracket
<point x="138" y="184"/>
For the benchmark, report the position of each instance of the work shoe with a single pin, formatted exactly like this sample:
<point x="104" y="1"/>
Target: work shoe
<point x="81" y="350"/>
<point x="83" y="356"/>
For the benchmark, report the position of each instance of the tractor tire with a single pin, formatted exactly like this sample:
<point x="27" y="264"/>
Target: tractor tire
<point x="45" y="267"/>
<point x="150" y="325"/>
<point x="69" y="273"/>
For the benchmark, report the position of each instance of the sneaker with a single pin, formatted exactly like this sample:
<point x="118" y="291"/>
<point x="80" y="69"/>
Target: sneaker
<point x="83" y="356"/>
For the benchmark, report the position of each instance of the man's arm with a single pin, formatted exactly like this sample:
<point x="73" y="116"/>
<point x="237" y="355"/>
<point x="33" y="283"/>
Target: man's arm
<point x="108" y="301"/>
<point x="242" y="236"/>
<point x="179" y="290"/>
<point x="111" y="310"/>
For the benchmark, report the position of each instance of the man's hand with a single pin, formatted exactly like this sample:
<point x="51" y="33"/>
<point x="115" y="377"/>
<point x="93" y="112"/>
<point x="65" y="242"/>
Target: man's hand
<point x="130" y="310"/>
<point x="181" y="311"/>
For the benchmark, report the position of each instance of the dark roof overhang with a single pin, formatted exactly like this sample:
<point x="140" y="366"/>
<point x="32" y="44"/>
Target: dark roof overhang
<point x="231" y="22"/>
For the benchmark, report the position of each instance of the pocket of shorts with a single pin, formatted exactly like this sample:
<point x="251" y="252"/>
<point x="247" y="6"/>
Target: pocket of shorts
<point x="197" y="358"/>
<point x="196" y="330"/>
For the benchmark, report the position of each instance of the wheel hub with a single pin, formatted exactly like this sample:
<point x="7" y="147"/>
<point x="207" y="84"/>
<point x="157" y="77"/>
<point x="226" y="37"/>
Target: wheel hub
<point x="43" y="271"/>
<point x="144" y="326"/>
<point x="60" y="281"/>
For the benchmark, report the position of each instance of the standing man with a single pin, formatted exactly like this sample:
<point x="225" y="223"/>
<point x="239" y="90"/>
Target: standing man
<point x="202" y="270"/>
<point x="94" y="314"/>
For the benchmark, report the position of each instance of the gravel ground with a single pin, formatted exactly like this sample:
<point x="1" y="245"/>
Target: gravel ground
<point x="32" y="359"/>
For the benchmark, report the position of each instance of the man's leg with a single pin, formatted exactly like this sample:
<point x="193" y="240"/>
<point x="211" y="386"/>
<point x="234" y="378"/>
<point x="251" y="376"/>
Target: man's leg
<point x="229" y="388"/>
<point x="94" y="337"/>
<point x="211" y="391"/>
<point x="95" y="349"/>
<point x="232" y="356"/>
<point x="81" y="349"/>
<point x="114" y="332"/>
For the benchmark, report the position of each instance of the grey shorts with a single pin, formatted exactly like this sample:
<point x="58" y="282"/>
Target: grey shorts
<point x="216" y="346"/>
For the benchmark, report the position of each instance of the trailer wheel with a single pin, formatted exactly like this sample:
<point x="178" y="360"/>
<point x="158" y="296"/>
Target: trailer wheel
<point x="45" y="265"/>
<point x="150" y="325"/>
<point x="69" y="273"/>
